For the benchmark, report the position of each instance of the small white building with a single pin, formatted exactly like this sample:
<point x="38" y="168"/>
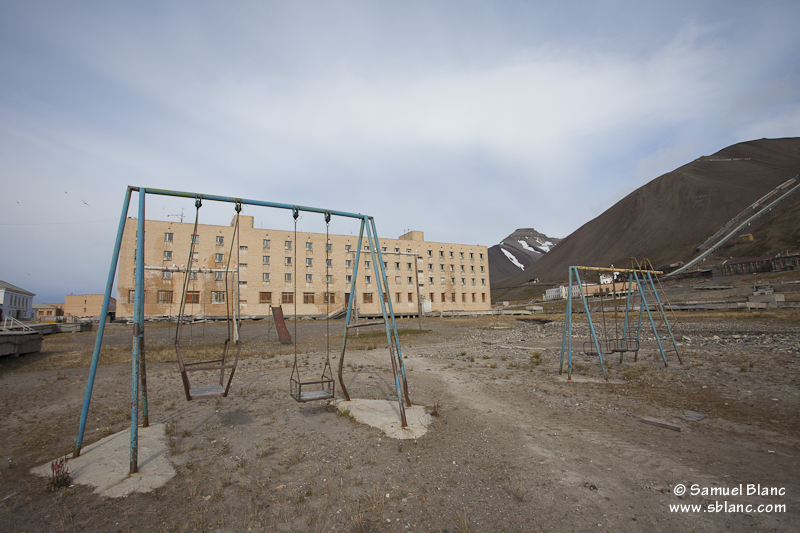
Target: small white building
<point x="16" y="302"/>
<point x="559" y="292"/>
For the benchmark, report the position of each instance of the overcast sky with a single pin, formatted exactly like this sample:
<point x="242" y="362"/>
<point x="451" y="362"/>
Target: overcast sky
<point x="466" y="120"/>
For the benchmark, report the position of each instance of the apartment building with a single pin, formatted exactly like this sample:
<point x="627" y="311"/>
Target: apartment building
<point x="271" y="268"/>
<point x="88" y="305"/>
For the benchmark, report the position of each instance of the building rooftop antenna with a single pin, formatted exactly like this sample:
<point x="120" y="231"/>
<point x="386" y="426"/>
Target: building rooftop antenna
<point x="181" y="215"/>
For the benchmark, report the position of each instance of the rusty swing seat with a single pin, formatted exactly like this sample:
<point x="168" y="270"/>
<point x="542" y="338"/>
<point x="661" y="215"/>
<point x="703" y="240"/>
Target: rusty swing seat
<point x="323" y="388"/>
<point x="222" y="364"/>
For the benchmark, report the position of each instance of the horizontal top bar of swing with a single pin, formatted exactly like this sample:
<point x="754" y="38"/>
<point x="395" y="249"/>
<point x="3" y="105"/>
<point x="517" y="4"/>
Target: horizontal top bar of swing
<point x="603" y="269"/>
<point x="365" y="324"/>
<point x="231" y="199"/>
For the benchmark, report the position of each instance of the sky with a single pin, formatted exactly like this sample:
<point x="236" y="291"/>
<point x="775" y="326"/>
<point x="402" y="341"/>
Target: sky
<point x="463" y="119"/>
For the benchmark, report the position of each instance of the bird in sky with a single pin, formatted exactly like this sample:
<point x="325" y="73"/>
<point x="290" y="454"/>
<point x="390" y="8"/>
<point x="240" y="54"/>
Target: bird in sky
<point x="84" y="201"/>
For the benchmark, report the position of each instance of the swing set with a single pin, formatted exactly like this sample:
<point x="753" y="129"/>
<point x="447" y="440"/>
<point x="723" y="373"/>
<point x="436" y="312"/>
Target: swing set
<point x="300" y="390"/>
<point x="641" y="297"/>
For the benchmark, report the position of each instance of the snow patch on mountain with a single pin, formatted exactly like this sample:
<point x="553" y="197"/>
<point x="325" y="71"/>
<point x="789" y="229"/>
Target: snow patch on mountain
<point x="546" y="245"/>
<point x="526" y="246"/>
<point x="512" y="259"/>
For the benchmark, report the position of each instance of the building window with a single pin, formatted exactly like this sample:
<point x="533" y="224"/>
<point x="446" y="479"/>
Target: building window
<point x="287" y="277"/>
<point x="472" y="268"/>
<point x="243" y="248"/>
<point x="452" y="281"/>
<point x="265" y="276"/>
<point x="441" y="281"/>
<point x="131" y="296"/>
<point x="397" y="266"/>
<point x="347" y="247"/>
<point x="218" y="258"/>
<point x="287" y="297"/>
<point x="242" y="283"/>
<point x="397" y="250"/>
<point x="451" y="255"/>
<point x="443" y="297"/>
<point x="309" y="261"/>
<point x="265" y="259"/>
<point x="430" y="266"/>
<point x="430" y="280"/>
<point x="471" y="255"/>
<point x="452" y="268"/>
<point x="410" y="296"/>
<point x="265" y="297"/>
<point x="329" y="247"/>
<point x="430" y="253"/>
<point x="195" y="238"/>
<point x="410" y="280"/>
<point x="483" y="281"/>
<point x="265" y="243"/>
<point x="366" y="264"/>
<point x="481" y="255"/>
<point x="461" y="255"/>
<point x="309" y="278"/>
<point x="367" y="279"/>
<point x="483" y="297"/>
<point x="242" y="265"/>
<point x="482" y="268"/>
<point x="287" y="245"/>
<point x="441" y="253"/>
<point x="441" y="267"/>
<point x="397" y="297"/>
<point x="192" y="275"/>
<point x="473" y="297"/>
<point x="383" y="248"/>
<point x="288" y="261"/>
<point x="367" y="297"/>
<point x="166" y="274"/>
<point x="348" y="263"/>
<point x="192" y="297"/>
<point x="453" y="297"/>
<point x="217" y="297"/>
<point x="308" y="297"/>
<point x="167" y="255"/>
<point x="330" y="298"/>
<point x="463" y="297"/>
<point x="463" y="281"/>
<point x="168" y="237"/>
<point x="220" y="239"/>
<point x="408" y="266"/>
<point x="397" y="280"/>
<point x="218" y="275"/>
<point x="329" y="278"/>
<point x="348" y="279"/>
<point x="309" y="246"/>
<point x="329" y="262"/>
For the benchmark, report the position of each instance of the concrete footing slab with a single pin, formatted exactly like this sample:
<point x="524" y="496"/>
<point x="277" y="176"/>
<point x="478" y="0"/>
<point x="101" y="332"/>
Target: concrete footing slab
<point x="385" y="415"/>
<point x="105" y="464"/>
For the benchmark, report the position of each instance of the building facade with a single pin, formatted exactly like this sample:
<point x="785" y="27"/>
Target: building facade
<point x="16" y="302"/>
<point x="87" y="305"/>
<point x="271" y="269"/>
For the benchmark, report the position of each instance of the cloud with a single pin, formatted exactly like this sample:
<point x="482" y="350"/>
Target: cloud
<point x="526" y="115"/>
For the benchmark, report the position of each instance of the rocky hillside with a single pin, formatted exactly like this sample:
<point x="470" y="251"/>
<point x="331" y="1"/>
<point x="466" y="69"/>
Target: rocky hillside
<point x="517" y="252"/>
<point x="669" y="217"/>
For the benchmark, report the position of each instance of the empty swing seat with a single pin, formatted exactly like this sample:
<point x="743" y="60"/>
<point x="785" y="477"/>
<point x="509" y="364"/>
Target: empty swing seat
<point x="217" y="390"/>
<point x="322" y="389"/>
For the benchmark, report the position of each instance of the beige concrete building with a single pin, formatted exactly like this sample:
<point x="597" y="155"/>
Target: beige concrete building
<point x="87" y="305"/>
<point x="273" y="269"/>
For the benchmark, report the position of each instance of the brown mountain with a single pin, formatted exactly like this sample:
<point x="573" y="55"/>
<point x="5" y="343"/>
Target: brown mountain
<point x="668" y="218"/>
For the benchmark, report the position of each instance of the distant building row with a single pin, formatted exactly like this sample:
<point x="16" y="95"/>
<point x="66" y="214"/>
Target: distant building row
<point x="314" y="275"/>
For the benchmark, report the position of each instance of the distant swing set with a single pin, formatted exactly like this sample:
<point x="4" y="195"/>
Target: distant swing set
<point x="300" y="390"/>
<point x="641" y="297"/>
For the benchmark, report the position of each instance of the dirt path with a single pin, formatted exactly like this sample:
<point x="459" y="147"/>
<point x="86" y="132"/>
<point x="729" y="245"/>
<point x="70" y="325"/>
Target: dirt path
<point x="513" y="448"/>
